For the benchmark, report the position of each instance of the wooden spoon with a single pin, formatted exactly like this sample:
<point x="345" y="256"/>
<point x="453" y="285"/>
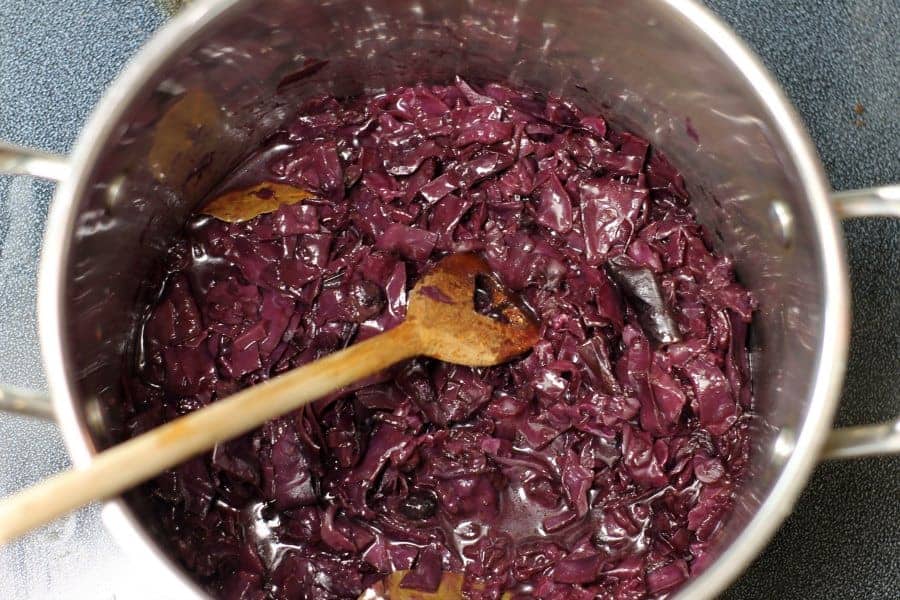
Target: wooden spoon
<point x="441" y="322"/>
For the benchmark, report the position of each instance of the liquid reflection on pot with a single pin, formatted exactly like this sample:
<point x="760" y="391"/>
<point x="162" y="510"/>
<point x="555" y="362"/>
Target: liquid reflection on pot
<point x="643" y="64"/>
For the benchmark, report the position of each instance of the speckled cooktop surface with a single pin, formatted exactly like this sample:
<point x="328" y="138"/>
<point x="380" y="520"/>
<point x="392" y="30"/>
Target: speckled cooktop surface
<point x="840" y="65"/>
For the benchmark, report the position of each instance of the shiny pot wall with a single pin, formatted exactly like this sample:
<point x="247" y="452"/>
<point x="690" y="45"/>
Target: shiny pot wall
<point x="223" y="74"/>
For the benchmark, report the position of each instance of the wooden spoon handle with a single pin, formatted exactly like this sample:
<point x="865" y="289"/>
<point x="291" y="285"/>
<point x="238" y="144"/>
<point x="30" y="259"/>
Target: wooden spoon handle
<point x="127" y="464"/>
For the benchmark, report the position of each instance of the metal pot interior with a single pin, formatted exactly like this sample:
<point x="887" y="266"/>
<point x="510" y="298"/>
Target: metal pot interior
<point x="647" y="65"/>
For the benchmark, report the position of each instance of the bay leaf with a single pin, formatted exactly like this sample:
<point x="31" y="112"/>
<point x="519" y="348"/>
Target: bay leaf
<point x="389" y="589"/>
<point x="184" y="137"/>
<point x="244" y="204"/>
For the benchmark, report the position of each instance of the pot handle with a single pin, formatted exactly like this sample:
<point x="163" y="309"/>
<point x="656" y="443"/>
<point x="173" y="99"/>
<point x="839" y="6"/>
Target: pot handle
<point x="15" y="160"/>
<point x="883" y="438"/>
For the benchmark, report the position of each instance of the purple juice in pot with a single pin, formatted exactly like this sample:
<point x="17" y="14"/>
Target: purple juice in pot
<point x="602" y="464"/>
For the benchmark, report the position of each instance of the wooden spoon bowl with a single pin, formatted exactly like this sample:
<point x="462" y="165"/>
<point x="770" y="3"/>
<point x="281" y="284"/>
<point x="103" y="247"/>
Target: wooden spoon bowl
<point x="442" y="308"/>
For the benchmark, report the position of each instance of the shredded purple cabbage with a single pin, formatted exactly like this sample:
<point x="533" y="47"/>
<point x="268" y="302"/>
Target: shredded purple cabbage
<point x="602" y="464"/>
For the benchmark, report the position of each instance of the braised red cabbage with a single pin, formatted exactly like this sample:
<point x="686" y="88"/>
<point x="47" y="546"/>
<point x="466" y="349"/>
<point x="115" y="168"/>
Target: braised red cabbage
<point x="602" y="464"/>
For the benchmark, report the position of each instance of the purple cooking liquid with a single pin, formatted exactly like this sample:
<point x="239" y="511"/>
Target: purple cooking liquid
<point x="602" y="464"/>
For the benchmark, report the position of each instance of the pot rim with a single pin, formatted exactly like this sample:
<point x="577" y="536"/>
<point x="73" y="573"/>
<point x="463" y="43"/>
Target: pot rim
<point x="801" y="455"/>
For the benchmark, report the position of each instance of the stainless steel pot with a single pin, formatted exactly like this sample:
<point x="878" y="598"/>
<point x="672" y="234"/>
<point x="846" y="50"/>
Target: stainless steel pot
<point x="223" y="74"/>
